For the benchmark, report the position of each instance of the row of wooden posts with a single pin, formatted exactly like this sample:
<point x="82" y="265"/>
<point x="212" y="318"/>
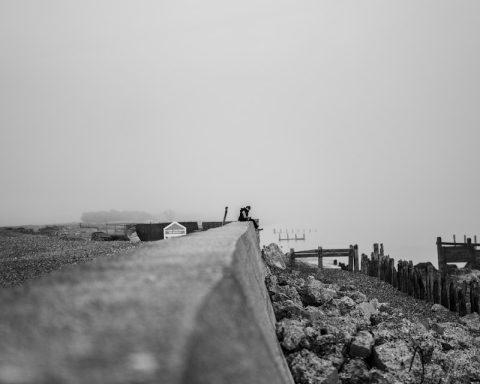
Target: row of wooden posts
<point x="423" y="281"/>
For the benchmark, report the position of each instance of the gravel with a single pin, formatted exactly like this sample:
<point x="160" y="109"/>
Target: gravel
<point x="29" y="256"/>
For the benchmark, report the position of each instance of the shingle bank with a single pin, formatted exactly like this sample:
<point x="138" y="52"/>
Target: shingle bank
<point x="187" y="310"/>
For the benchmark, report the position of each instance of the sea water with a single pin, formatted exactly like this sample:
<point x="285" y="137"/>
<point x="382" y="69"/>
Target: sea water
<point x="423" y="250"/>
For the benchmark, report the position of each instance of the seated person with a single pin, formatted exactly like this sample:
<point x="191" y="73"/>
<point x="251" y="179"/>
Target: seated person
<point x="244" y="216"/>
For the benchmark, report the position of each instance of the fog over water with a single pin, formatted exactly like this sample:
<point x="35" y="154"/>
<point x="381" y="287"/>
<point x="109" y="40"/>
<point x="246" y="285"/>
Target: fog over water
<point x="359" y="119"/>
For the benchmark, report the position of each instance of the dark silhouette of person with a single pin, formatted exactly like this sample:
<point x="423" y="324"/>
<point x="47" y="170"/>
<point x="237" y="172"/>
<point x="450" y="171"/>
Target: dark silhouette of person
<point x="244" y="216"/>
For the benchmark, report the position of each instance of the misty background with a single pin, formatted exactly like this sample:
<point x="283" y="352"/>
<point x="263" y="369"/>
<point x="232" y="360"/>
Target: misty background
<point x="359" y="119"/>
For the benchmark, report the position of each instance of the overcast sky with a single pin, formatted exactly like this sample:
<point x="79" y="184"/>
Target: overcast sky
<point x="358" y="117"/>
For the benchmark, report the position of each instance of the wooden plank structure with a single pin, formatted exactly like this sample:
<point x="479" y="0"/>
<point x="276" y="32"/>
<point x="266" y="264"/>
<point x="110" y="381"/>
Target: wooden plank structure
<point x="465" y="252"/>
<point x="424" y="282"/>
<point x="320" y="253"/>
<point x="288" y="238"/>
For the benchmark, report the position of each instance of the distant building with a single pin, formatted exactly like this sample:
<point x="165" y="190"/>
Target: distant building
<point x="174" y="230"/>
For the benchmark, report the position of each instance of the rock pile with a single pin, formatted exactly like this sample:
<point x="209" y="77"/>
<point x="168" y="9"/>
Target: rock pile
<point x="331" y="332"/>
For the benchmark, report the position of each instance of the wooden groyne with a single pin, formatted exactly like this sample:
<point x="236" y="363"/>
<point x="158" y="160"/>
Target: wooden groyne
<point x="320" y="253"/>
<point x="459" y="293"/>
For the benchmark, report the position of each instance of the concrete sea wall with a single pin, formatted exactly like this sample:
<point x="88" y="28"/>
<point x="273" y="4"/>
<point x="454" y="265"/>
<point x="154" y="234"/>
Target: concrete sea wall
<point x="187" y="310"/>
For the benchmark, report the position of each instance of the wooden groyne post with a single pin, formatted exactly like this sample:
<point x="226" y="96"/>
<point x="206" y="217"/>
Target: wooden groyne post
<point x="424" y="282"/>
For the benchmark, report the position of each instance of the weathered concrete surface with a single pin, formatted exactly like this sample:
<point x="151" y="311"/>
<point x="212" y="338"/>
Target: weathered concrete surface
<point x="187" y="310"/>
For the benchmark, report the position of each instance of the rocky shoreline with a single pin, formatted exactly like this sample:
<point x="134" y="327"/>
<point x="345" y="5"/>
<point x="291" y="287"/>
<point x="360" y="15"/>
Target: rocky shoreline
<point x="341" y="327"/>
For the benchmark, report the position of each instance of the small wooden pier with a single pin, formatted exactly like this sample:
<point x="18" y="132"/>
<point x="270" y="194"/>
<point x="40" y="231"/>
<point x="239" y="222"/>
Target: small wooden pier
<point x="289" y="238"/>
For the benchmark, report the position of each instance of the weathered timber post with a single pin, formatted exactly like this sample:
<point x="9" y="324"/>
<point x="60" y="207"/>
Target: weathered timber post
<point x="350" y="259"/>
<point x="391" y="268"/>
<point x="471" y="251"/>
<point x="462" y="307"/>
<point x="387" y="269"/>
<point x="436" y="291"/>
<point x="428" y="281"/>
<point x="320" y="258"/>
<point x="403" y="274"/>
<point x="422" y="282"/>
<point x="386" y="264"/>
<point x="399" y="275"/>
<point x="375" y="260"/>
<point x="355" y="258"/>
<point x="380" y="267"/>
<point x="466" y="295"/>
<point x="384" y="267"/>
<point x="292" y="258"/>
<point x="394" y="273"/>
<point x="381" y="249"/>
<point x="474" y="296"/>
<point x="370" y="265"/>
<point x="452" y="297"/>
<point x="443" y="293"/>
<point x="441" y="254"/>
<point x="365" y="265"/>
<point x="410" y="279"/>
<point x="415" y="284"/>
<point x="225" y="216"/>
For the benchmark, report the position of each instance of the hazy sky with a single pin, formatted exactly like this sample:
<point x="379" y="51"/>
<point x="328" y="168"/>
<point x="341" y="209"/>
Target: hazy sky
<point x="356" y="117"/>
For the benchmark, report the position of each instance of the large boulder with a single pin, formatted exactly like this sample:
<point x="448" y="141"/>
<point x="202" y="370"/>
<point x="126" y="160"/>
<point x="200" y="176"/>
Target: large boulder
<point x="307" y="368"/>
<point x="455" y="336"/>
<point x="356" y="296"/>
<point x="288" y="309"/>
<point x="361" y="345"/>
<point x="273" y="256"/>
<point x="439" y="308"/>
<point x="316" y="294"/>
<point x="329" y="347"/>
<point x="313" y="313"/>
<point x="287" y="292"/>
<point x="295" y="334"/>
<point x="345" y="304"/>
<point x="367" y="309"/>
<point x="355" y="372"/>
<point x="472" y="321"/>
<point x="394" y="356"/>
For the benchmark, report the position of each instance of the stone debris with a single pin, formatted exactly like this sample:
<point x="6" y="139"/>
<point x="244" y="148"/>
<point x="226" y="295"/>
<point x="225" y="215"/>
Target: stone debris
<point x="362" y="345"/>
<point x="273" y="256"/>
<point x="472" y="321"/>
<point x="315" y="293"/>
<point x="340" y="327"/>
<point x="307" y="368"/>
<point x="393" y="356"/>
<point x="294" y="334"/>
<point x="356" y="371"/>
<point x="367" y="310"/>
<point x="438" y="307"/>
<point x="345" y="304"/>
